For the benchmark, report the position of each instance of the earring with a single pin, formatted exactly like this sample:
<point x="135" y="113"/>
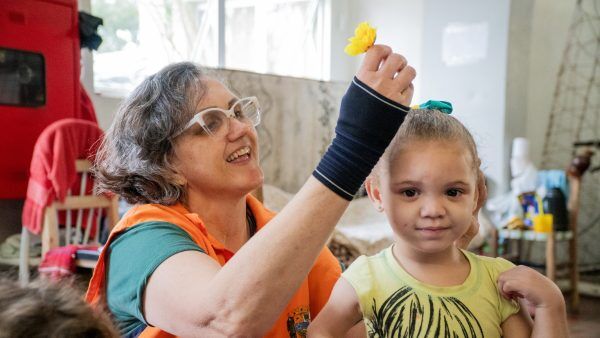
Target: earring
<point x="379" y="208"/>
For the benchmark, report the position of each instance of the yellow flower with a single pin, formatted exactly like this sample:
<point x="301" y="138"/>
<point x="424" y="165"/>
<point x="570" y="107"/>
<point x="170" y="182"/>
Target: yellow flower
<point x="364" y="37"/>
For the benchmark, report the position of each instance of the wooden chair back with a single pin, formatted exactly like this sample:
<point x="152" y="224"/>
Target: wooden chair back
<point x="82" y="210"/>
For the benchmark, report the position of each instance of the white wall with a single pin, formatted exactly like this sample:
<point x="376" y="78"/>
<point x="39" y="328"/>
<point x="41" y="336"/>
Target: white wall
<point x="473" y="76"/>
<point x="550" y="24"/>
<point x="342" y="20"/>
<point x="517" y="77"/>
<point x="399" y="24"/>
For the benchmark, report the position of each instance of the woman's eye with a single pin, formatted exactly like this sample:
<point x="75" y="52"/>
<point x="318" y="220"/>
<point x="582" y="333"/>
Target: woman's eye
<point x="239" y="113"/>
<point x="213" y="123"/>
<point x="409" y="192"/>
<point x="201" y="131"/>
<point x="453" y="192"/>
<point x="213" y="120"/>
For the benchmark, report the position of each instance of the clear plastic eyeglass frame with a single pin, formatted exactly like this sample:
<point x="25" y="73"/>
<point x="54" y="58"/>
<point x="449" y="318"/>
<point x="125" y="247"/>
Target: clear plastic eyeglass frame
<point x="213" y="120"/>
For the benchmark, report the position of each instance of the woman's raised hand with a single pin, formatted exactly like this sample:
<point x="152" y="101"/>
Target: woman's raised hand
<point x="387" y="73"/>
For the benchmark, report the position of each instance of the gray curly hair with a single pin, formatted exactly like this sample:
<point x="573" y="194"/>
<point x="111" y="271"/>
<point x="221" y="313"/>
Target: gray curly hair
<point x="134" y="158"/>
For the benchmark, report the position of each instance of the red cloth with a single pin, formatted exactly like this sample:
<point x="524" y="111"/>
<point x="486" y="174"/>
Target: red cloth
<point x="52" y="170"/>
<point x="60" y="261"/>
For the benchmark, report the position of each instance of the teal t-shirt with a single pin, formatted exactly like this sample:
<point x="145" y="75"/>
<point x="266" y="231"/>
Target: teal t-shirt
<point x="132" y="258"/>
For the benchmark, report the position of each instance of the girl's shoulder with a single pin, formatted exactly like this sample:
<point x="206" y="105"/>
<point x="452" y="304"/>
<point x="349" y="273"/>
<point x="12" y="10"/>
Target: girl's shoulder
<point x="493" y="265"/>
<point x="365" y="267"/>
<point x="366" y="262"/>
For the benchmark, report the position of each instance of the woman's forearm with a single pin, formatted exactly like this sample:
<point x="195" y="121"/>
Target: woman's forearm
<point x="266" y="272"/>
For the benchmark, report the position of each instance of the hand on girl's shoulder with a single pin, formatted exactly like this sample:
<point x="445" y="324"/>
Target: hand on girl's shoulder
<point x="536" y="289"/>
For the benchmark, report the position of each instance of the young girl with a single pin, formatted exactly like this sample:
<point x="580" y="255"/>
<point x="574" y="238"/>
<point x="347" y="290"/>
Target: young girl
<point x="424" y="286"/>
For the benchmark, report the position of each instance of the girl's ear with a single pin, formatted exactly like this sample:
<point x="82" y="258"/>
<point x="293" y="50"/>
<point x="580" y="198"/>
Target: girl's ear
<point x="372" y="188"/>
<point x="480" y="192"/>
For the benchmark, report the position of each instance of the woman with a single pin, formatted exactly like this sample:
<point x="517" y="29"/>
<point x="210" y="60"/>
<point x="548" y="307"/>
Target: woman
<point x="188" y="259"/>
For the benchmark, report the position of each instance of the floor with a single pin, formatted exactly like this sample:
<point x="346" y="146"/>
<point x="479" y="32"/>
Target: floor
<point x="584" y="324"/>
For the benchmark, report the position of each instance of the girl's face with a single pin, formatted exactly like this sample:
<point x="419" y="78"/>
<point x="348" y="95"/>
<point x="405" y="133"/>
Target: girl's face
<point x="428" y="193"/>
<point x="217" y="165"/>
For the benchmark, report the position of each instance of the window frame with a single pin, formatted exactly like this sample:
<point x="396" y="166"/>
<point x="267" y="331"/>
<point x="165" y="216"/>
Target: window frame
<point x="323" y="7"/>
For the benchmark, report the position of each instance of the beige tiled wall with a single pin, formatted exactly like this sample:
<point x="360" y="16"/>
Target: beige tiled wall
<point x="298" y="118"/>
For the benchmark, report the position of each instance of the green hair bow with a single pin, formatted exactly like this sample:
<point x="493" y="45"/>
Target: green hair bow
<point x="443" y="106"/>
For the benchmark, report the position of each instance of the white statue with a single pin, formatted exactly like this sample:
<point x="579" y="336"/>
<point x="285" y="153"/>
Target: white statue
<point x="524" y="178"/>
<point x="523" y="171"/>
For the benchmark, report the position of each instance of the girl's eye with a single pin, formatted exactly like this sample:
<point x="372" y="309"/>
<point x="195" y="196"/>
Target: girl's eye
<point x="453" y="192"/>
<point x="409" y="192"/>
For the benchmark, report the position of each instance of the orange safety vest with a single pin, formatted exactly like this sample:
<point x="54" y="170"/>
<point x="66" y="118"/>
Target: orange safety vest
<point x="304" y="305"/>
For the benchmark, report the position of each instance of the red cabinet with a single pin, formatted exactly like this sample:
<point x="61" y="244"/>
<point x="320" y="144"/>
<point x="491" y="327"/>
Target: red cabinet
<point x="39" y="80"/>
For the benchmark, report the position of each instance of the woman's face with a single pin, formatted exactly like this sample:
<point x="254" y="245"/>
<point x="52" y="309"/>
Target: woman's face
<point x="224" y="164"/>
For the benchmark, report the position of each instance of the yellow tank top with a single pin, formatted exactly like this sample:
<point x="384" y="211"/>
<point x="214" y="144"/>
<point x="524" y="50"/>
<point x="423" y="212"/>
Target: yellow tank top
<point x="394" y="304"/>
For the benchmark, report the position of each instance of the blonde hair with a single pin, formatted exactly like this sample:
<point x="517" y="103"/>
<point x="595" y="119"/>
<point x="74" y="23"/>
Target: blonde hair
<point x="430" y="125"/>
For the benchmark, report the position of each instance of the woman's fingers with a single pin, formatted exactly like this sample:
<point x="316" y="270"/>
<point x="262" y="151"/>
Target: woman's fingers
<point x="393" y="64"/>
<point x="405" y="77"/>
<point x="388" y="74"/>
<point x="373" y="58"/>
<point x="406" y="95"/>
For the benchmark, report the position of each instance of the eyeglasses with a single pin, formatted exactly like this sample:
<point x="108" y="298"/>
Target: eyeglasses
<point x="215" y="121"/>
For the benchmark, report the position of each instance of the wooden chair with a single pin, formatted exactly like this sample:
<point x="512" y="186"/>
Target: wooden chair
<point x="550" y="240"/>
<point x="75" y="232"/>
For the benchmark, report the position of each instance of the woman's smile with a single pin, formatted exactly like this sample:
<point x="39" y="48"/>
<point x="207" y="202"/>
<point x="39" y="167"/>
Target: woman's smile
<point x="242" y="155"/>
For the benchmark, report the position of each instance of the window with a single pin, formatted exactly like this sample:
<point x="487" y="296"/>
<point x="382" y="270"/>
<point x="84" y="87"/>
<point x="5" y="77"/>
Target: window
<point x="22" y="78"/>
<point x="283" y="37"/>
